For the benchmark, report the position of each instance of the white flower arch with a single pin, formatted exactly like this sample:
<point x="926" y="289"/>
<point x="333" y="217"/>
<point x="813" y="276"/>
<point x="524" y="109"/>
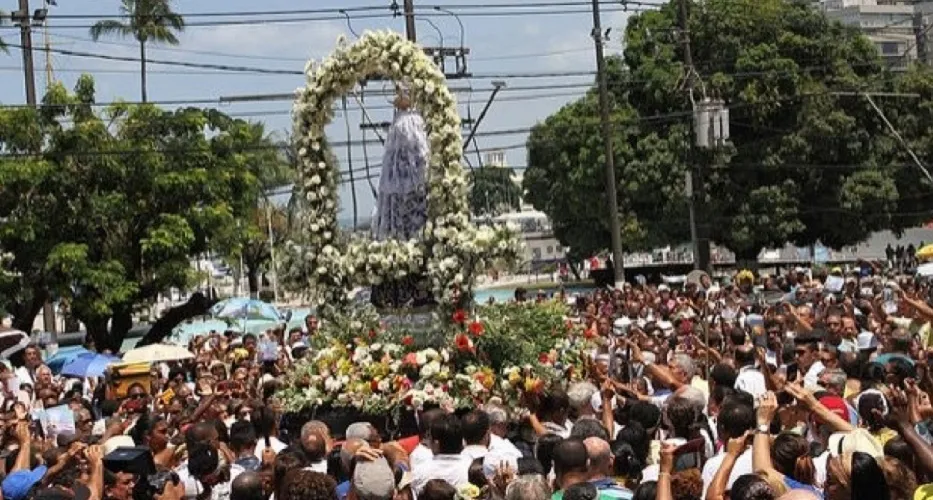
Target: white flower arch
<point x="452" y="248"/>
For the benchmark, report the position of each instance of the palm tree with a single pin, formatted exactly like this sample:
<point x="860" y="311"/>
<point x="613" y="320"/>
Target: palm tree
<point x="146" y="21"/>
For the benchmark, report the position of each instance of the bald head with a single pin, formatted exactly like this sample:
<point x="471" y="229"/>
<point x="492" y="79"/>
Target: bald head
<point x="247" y="486"/>
<point x="599" y="454"/>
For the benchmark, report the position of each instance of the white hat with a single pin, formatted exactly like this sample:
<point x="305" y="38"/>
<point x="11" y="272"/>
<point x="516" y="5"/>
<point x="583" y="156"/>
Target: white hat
<point x="117" y="442"/>
<point x="859" y="440"/>
<point x="867" y="341"/>
<point x="663" y="288"/>
<point x="621" y="325"/>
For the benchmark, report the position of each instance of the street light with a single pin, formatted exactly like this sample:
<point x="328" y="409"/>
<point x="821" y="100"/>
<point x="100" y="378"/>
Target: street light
<point x="445" y="11"/>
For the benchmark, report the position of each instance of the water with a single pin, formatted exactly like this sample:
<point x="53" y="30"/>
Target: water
<point x="507" y="294"/>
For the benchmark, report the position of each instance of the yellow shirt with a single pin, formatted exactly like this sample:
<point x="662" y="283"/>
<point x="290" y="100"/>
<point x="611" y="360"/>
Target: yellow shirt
<point x="924" y="492"/>
<point x="884" y="435"/>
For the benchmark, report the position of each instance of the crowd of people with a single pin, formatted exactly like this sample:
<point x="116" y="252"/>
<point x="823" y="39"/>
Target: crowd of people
<point x="793" y="386"/>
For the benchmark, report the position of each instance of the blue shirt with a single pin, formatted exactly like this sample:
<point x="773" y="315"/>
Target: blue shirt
<point x="343" y="489"/>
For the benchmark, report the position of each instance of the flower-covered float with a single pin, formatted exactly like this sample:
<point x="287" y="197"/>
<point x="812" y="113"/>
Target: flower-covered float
<point x="361" y="365"/>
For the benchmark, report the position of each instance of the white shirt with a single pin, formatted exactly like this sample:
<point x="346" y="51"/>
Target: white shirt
<point x="193" y="487"/>
<point x="751" y="381"/>
<point x="318" y="467"/>
<point x="561" y="430"/>
<point x="743" y="465"/>
<point x="420" y="455"/>
<point x="812" y="378"/>
<point x="277" y="446"/>
<point x="473" y="451"/>
<point x="454" y="469"/>
<point x="500" y="450"/>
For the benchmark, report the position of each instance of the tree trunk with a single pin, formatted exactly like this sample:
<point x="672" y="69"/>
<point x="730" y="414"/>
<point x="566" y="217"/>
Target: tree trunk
<point x="142" y="65"/>
<point x="198" y="305"/>
<point x="24" y="314"/>
<point x="98" y="331"/>
<point x="252" y="276"/>
<point x="121" y="324"/>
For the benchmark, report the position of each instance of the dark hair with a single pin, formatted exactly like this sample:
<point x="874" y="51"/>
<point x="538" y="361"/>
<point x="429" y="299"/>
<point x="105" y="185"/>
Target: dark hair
<point x="682" y="415"/>
<point x="476" y="475"/>
<point x="751" y="487"/>
<point x="647" y="490"/>
<point x="437" y="489"/>
<point x="242" y="436"/>
<point x="475" y="426"/>
<point x="581" y="491"/>
<point x="301" y="484"/>
<point x="867" y="403"/>
<point x="554" y="404"/>
<point x="719" y="394"/>
<point x="636" y="437"/>
<point x="544" y="450"/>
<point x="247" y="486"/>
<point x="199" y="434"/>
<point x="646" y="414"/>
<point x="745" y="355"/>
<point x="448" y="433"/>
<point x="735" y="419"/>
<point x="285" y="462"/>
<point x="868" y="481"/>
<point x="791" y="456"/>
<point x="587" y="428"/>
<point x="427" y="419"/>
<point x="626" y="462"/>
<point x="530" y="465"/>
<point x="570" y="456"/>
<point x="899" y="449"/>
<point x="902" y="369"/>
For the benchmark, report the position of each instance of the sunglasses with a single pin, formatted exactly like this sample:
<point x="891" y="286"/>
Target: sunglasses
<point x="136" y="396"/>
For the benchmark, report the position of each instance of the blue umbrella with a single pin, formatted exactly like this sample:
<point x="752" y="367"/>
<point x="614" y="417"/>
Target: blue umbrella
<point x="89" y="365"/>
<point x="63" y="356"/>
<point x="243" y="309"/>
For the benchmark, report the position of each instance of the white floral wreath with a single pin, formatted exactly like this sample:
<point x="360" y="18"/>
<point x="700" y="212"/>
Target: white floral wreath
<point x="452" y="248"/>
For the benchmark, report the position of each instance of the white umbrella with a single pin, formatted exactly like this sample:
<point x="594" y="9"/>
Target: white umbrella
<point x="12" y="341"/>
<point x="155" y="353"/>
<point x="925" y="270"/>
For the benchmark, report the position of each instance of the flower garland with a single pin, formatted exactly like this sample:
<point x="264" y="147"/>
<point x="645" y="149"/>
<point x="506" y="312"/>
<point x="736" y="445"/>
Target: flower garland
<point x="452" y="249"/>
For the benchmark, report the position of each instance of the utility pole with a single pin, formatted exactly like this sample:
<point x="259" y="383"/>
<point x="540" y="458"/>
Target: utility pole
<point x="410" y="20"/>
<point x="49" y="76"/>
<point x="23" y="18"/>
<point x="615" y="229"/>
<point x="695" y="181"/>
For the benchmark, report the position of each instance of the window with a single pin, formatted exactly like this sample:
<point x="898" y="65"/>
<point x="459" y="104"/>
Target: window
<point x="536" y="254"/>
<point x="550" y="250"/>
<point x="889" y="48"/>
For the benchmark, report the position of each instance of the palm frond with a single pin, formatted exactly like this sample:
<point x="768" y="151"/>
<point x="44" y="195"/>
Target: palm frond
<point x="110" y="27"/>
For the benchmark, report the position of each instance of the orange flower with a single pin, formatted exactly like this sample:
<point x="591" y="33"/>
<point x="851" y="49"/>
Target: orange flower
<point x="477" y="329"/>
<point x="460" y="316"/>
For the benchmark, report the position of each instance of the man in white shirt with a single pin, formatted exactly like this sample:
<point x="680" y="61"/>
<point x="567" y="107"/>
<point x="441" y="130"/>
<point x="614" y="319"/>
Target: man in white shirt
<point x="475" y="427"/>
<point x="423" y="453"/>
<point x="750" y="379"/>
<point x="734" y="420"/>
<point x="500" y="447"/>
<point x="448" y="462"/>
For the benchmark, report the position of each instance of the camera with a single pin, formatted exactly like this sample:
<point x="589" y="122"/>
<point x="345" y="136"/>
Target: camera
<point x="150" y="485"/>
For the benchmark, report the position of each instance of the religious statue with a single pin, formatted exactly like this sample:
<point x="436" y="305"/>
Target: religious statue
<point x="401" y="210"/>
<point x="401" y="207"/>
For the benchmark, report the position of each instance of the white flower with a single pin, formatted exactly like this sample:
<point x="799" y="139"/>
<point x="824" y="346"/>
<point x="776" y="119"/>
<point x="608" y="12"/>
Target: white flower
<point x="315" y="180"/>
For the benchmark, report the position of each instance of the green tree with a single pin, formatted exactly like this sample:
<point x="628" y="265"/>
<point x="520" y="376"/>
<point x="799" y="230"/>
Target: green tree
<point x="493" y="191"/>
<point x="146" y="21"/>
<point x="804" y="164"/>
<point x="109" y="215"/>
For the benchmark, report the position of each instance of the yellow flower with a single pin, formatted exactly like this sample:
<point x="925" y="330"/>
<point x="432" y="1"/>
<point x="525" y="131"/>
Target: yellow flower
<point x="515" y="378"/>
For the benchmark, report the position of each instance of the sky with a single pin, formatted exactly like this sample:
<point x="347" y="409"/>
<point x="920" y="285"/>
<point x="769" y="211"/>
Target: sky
<point x="501" y="45"/>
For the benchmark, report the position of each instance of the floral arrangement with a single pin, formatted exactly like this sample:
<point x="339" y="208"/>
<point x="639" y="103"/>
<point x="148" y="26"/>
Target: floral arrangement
<point x="377" y="369"/>
<point x="452" y="249"/>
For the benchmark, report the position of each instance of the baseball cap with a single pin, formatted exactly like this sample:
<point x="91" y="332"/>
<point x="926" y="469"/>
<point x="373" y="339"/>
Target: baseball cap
<point x="373" y="479"/>
<point x="836" y="405"/>
<point x="16" y="486"/>
<point x="859" y="440"/>
<point x="117" y="442"/>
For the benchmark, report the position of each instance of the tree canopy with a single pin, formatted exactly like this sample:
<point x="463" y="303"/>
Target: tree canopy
<point x="104" y="210"/>
<point x="493" y="191"/>
<point x="809" y="159"/>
